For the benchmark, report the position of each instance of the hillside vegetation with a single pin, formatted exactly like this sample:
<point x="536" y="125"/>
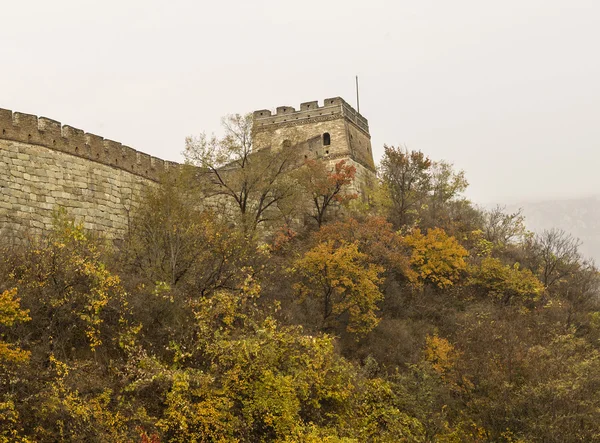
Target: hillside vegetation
<point x="408" y="317"/>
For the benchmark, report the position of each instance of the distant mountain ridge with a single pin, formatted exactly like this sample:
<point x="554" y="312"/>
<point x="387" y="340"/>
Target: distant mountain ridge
<point x="580" y="217"/>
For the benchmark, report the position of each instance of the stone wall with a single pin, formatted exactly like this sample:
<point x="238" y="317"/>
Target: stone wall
<point x="35" y="181"/>
<point x="44" y="166"/>
<point x="42" y="131"/>
<point x="305" y="128"/>
<point x="308" y="136"/>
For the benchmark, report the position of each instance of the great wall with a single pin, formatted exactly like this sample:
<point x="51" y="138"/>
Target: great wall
<point x="45" y="165"/>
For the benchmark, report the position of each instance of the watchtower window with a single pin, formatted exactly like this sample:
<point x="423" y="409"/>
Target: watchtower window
<point x="326" y="139"/>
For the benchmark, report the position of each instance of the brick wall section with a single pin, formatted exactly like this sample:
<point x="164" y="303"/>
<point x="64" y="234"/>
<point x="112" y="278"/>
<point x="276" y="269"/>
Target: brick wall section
<point x="45" y="165"/>
<point x="42" y="131"/>
<point x="35" y="180"/>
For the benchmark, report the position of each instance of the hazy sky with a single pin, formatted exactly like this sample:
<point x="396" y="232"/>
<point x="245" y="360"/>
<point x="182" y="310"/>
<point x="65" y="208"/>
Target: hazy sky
<point x="507" y="90"/>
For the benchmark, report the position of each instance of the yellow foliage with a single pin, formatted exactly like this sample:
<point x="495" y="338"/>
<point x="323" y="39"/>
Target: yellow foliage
<point x="505" y="282"/>
<point x="437" y="258"/>
<point x="376" y="238"/>
<point x="67" y="275"/>
<point x="11" y="313"/>
<point x="271" y="383"/>
<point x="75" y="417"/>
<point x="440" y="353"/>
<point x="344" y="280"/>
<point x="9" y="424"/>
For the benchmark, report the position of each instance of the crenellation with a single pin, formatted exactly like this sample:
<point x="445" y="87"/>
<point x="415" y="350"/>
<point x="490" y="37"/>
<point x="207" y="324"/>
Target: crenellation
<point x="6" y="118"/>
<point x="262" y="113"/>
<point x="49" y="127"/>
<point x="45" y="165"/>
<point x="309" y="112"/>
<point x="72" y="133"/>
<point x="95" y="142"/>
<point x="26" y="122"/>
<point x="307" y="106"/>
<point x="129" y="158"/>
<point x="333" y="101"/>
<point x="42" y="131"/>
<point x="143" y="161"/>
<point x="285" y="110"/>
<point x="331" y="132"/>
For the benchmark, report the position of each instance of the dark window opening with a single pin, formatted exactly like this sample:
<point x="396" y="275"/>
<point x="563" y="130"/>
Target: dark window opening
<point x="326" y="139"/>
<point x="327" y="152"/>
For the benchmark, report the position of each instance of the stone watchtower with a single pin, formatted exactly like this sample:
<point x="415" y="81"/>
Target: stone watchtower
<point x="332" y="132"/>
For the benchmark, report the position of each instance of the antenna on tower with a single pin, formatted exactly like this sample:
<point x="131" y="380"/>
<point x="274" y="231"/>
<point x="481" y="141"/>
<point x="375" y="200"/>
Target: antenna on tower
<point x="357" y="99"/>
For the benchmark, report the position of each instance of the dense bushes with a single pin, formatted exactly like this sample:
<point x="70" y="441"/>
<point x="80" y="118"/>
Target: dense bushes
<point x="378" y="326"/>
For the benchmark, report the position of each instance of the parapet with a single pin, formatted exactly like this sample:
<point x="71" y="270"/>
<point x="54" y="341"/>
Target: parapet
<point x="42" y="131"/>
<point x="334" y="107"/>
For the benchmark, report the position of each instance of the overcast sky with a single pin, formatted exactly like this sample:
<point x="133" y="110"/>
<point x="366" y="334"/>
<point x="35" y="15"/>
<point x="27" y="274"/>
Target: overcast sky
<point x="507" y="90"/>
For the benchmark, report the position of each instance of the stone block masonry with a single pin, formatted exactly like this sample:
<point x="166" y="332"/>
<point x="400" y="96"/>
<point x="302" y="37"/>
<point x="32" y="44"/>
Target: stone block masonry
<point x="44" y="166"/>
<point x="29" y="129"/>
<point x="330" y="132"/>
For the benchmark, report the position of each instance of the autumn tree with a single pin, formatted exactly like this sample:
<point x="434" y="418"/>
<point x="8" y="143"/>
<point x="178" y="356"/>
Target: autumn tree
<point x="11" y="357"/>
<point x="10" y="314"/>
<point x="326" y="186"/>
<point x="376" y="238"/>
<point x="555" y="255"/>
<point x="344" y="282"/>
<point x="75" y="301"/>
<point x="524" y="377"/>
<point x="245" y="377"/>
<point x="255" y="182"/>
<point x="505" y="282"/>
<point x="445" y="206"/>
<point x="406" y="177"/>
<point x="436" y="257"/>
<point x="418" y="191"/>
<point x="174" y="240"/>
<point x="501" y="228"/>
<point x="80" y="323"/>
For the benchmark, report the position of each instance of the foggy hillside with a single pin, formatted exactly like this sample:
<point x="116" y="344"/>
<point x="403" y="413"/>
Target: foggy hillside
<point x="579" y="217"/>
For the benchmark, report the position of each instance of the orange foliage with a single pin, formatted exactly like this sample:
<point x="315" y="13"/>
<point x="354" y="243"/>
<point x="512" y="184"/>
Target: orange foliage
<point x="375" y="237"/>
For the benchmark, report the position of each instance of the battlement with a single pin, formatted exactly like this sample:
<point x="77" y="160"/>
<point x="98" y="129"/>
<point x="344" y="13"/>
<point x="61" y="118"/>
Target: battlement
<point x="42" y="131"/>
<point x="334" y="107"/>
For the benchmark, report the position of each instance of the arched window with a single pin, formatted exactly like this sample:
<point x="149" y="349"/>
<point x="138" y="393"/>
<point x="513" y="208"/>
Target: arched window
<point x="326" y="139"/>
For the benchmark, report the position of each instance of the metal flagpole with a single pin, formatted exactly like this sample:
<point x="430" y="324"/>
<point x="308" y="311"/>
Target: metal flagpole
<point x="357" y="99"/>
